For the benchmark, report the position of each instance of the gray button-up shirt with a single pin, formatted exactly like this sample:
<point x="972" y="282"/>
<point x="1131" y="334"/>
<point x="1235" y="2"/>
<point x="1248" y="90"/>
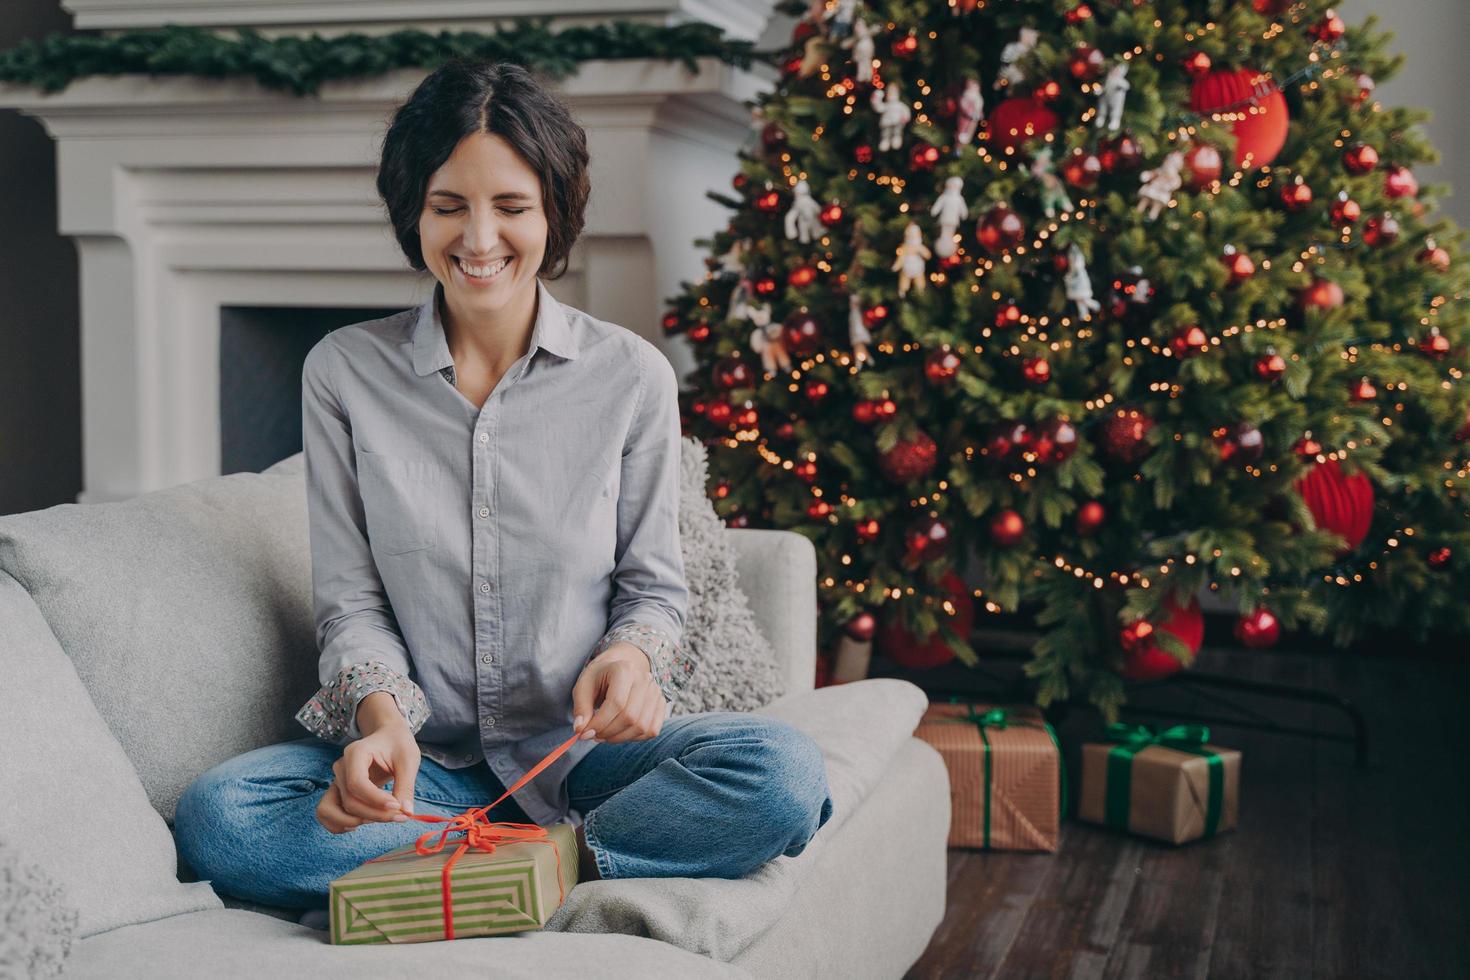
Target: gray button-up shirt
<point x="472" y="560"/>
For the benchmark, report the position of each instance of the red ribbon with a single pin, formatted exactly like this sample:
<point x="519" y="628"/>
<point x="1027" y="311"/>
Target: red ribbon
<point x="484" y="835"/>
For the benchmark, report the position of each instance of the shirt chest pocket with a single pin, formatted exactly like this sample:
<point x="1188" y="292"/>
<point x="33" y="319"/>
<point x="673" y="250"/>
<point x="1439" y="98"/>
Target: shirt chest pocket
<point x="399" y="501"/>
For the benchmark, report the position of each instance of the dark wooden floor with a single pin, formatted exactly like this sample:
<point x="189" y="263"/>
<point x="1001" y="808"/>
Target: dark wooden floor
<point x="1334" y="871"/>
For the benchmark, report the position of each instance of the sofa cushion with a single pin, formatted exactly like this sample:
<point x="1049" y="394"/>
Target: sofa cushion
<point x="859" y="727"/>
<point x="228" y="944"/>
<point x="186" y="611"/>
<point x="72" y="804"/>
<point x="734" y="666"/>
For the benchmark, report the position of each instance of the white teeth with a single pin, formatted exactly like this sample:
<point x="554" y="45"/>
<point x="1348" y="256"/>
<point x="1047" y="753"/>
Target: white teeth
<point x="483" y="271"/>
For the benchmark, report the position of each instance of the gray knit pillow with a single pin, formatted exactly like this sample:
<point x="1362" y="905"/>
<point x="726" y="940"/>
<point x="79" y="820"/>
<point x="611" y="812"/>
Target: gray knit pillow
<point x="734" y="665"/>
<point x="37" y="924"/>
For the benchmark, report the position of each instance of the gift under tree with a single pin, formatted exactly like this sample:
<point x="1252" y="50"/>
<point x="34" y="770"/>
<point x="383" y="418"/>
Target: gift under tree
<point x="1132" y="299"/>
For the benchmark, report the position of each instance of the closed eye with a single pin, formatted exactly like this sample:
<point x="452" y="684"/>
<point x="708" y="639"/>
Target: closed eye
<point x="449" y="211"/>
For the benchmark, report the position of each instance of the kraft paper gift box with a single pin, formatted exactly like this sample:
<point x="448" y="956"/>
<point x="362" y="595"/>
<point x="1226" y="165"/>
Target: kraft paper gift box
<point x="457" y="890"/>
<point x="1170" y="785"/>
<point x="1005" y="775"/>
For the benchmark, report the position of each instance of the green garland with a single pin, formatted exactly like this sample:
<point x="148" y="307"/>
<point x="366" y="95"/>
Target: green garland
<point x="301" y="64"/>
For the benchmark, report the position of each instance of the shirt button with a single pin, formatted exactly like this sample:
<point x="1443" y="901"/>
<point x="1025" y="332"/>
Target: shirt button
<point x="469" y="758"/>
<point x="484" y="586"/>
<point x="486" y="659"/>
<point x="488" y="722"/>
<point x="484" y="511"/>
<point x="484" y="437"/>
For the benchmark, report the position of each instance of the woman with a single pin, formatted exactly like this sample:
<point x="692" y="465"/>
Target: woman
<point x="492" y="483"/>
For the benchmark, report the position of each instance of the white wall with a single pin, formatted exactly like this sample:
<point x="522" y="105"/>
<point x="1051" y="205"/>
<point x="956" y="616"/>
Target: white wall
<point x="1435" y="34"/>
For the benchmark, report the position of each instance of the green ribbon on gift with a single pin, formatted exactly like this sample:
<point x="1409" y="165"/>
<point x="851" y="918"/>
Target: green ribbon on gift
<point x="1132" y="740"/>
<point x="1001" y="718"/>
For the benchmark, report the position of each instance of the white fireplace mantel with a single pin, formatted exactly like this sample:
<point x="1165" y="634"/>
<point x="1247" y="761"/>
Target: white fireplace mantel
<point x="186" y="195"/>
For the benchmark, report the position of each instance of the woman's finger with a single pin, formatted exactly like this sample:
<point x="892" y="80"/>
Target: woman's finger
<point x="607" y="720"/>
<point x="331" y="815"/>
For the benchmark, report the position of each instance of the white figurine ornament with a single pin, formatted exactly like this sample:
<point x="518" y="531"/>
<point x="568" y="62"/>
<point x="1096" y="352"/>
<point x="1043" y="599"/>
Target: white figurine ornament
<point x="950" y="208"/>
<point x="732" y="261"/>
<point x="804" y="219"/>
<point x="894" y="115"/>
<point x="1079" y="285"/>
<point x="972" y="111"/>
<point x="1053" y="194"/>
<point x="1160" y="184"/>
<point x="910" y="262"/>
<point x="841" y="18"/>
<point x="740" y="298"/>
<point x="1110" y="99"/>
<point x="858" y="334"/>
<point x="861" y="44"/>
<point x="1009" y="74"/>
<point x="767" y="341"/>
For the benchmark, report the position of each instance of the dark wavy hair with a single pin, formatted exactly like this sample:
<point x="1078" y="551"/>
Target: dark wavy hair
<point x="463" y="97"/>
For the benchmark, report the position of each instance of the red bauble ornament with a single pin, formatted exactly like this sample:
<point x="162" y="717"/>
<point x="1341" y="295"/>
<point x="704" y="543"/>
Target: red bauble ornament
<point x="1322" y="294"/>
<point x="1296" y="195"/>
<point x="700" y="332"/>
<point x="1000" y="229"/>
<point x="1036" y="370"/>
<point x="903" y="648"/>
<point x="831" y="214"/>
<point x="1090" y="517"/>
<point x="766" y="286"/>
<point x="1362" y="391"/>
<point x="1271" y="7"/>
<point x="1017" y="120"/>
<point x="1239" y="265"/>
<point x="1307" y="447"/>
<point x="1271" y="366"/>
<point x="1143" y="659"/>
<point x="801" y="332"/>
<point x="1434" y="256"/>
<point x="886" y="408"/>
<point x="1439" y="558"/>
<point x="805" y="471"/>
<point x="1125" y="435"/>
<point x="1255" y="104"/>
<point x="1203" y="166"/>
<point x="1244" y="441"/>
<point x="1055" y="441"/>
<point x="864" y="412"/>
<point x="1131" y="297"/>
<point x="951" y="262"/>
<point x="1048" y="91"/>
<point x="818" y="510"/>
<point x="1005" y="441"/>
<point x="1329" y="28"/>
<point x="923" y="157"/>
<point x="1381" y="230"/>
<point x="862" y="153"/>
<point x="1434" y="344"/>
<point x="672" y="323"/>
<point x="1365" y="86"/>
<point x="909" y="459"/>
<point x="874" y="315"/>
<point x="1197" y="64"/>
<point x="785" y="431"/>
<point x="816" y="390"/>
<point x="861" y="627"/>
<point x="1398" y="181"/>
<point x="906" y="46"/>
<point x="739" y="181"/>
<point x="1079" y="13"/>
<point x="768" y="201"/>
<point x="941" y="366"/>
<point x="720" y="413"/>
<point x="802" y="275"/>
<point x="1359" y="158"/>
<point x="1086" y="63"/>
<point x="747" y="416"/>
<point x="1007" y="528"/>
<point x="1345" y="210"/>
<point x="1120" y="153"/>
<point x="867" y="530"/>
<point x="1007" y="315"/>
<point x="1189" y="341"/>
<point x="1258" y="628"/>
<point x="730" y="372"/>
<point x="926" y="539"/>
<point x="738" y="520"/>
<point x="773" y="136"/>
<point x="1339" y="503"/>
<point x="1082" y="169"/>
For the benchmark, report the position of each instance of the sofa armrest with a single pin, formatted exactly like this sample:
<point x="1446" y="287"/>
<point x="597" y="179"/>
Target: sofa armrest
<point x="777" y="571"/>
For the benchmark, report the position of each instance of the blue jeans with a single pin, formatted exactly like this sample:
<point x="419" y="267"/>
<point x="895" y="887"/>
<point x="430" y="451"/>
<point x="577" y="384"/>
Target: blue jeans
<point x="714" y="795"/>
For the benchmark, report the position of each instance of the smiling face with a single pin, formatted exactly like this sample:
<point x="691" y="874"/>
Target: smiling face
<point x="483" y="230"/>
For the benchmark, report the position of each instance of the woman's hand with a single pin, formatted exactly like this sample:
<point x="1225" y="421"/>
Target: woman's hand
<point x="356" y="795"/>
<point x="619" y="684"/>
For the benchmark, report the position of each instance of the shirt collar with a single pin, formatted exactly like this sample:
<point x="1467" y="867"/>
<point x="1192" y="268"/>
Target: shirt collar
<point x="551" y="331"/>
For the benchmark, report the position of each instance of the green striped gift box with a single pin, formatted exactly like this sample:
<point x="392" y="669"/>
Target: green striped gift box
<point x="398" y="898"/>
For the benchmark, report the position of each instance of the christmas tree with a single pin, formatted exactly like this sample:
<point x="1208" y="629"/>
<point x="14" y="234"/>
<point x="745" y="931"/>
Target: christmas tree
<point x="1130" y="299"/>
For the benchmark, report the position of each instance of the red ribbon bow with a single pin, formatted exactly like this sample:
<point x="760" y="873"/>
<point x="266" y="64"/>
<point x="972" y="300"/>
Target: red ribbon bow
<point x="484" y="835"/>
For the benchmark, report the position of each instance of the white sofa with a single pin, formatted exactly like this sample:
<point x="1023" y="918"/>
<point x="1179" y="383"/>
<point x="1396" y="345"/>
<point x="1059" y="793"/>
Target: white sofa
<point x="145" y="641"/>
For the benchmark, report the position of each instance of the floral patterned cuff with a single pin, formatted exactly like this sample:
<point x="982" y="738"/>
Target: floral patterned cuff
<point x="670" y="665"/>
<point x="331" y="713"/>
